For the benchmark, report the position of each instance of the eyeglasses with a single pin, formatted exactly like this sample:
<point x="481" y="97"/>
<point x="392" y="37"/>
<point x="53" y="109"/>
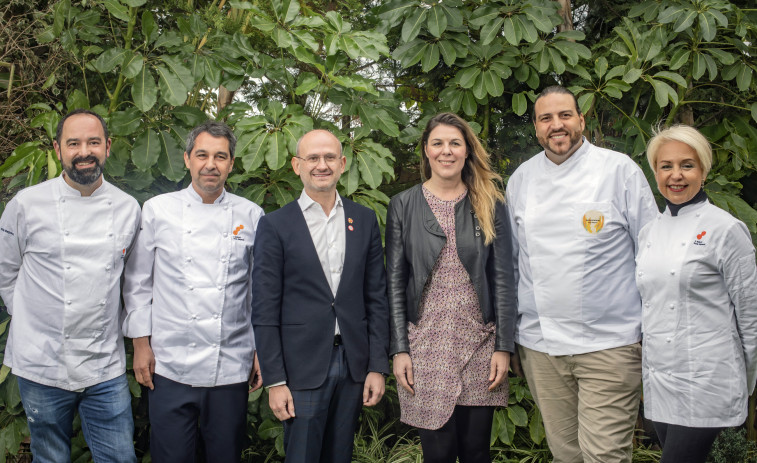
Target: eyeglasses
<point x="315" y="159"/>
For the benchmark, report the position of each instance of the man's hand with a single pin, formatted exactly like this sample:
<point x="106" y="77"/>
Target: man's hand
<point x="499" y="366"/>
<point x="280" y="400"/>
<point x="256" y="380"/>
<point x="373" y="390"/>
<point x="144" y="361"/>
<point x="403" y="371"/>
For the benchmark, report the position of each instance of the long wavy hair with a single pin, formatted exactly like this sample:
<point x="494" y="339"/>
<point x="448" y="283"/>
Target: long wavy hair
<point x="477" y="175"/>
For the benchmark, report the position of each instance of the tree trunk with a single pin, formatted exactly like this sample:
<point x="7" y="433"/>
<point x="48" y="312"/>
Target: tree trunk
<point x="567" y="16"/>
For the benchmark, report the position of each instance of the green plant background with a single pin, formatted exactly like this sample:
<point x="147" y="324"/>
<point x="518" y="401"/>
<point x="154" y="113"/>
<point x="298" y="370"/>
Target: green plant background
<point x="373" y="73"/>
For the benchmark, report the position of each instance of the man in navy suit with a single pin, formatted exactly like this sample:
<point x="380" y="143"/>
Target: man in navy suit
<point x="320" y="313"/>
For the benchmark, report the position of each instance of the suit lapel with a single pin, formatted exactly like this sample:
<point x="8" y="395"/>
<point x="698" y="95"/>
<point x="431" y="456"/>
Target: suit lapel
<point x="301" y="229"/>
<point x="351" y="242"/>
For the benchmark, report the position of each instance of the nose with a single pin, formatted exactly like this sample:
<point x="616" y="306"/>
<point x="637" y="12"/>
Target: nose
<point x="322" y="163"/>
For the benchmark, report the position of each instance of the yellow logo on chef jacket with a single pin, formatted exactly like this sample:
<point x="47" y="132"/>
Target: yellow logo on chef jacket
<point x="593" y="221"/>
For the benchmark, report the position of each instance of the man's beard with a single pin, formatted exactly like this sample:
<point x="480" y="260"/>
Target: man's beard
<point x="84" y="176"/>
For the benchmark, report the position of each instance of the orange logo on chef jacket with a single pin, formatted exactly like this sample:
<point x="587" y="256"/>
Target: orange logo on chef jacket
<point x="236" y="233"/>
<point x="593" y="221"/>
<point x="699" y="241"/>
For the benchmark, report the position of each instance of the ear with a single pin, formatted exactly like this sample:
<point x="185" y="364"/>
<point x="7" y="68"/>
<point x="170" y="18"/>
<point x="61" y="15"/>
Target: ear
<point x="186" y="159"/>
<point x="295" y="165"/>
<point x="56" y="147"/>
<point x="107" y="147"/>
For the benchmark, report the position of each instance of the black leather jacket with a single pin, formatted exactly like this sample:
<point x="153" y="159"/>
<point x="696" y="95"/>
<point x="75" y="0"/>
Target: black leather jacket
<point x="414" y="240"/>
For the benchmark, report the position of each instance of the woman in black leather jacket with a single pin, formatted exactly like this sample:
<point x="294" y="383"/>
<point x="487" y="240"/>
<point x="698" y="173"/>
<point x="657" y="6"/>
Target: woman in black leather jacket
<point x="451" y="294"/>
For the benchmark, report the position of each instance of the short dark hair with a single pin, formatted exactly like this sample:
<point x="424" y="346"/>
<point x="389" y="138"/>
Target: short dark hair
<point x="215" y="128"/>
<point x="554" y="89"/>
<point x="59" y="129"/>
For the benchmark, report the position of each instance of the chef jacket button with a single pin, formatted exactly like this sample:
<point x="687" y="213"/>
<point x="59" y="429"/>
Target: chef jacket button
<point x="646" y="304"/>
<point x="672" y="306"/>
<point x="190" y="287"/>
<point x="63" y="200"/>
<point x="223" y="259"/>
<point x="670" y="373"/>
<point x="68" y="336"/>
<point x="189" y="231"/>
<point x="672" y="272"/>
<point x="668" y="339"/>
<point x="107" y="267"/>
<point x="215" y="316"/>
<point x="102" y="302"/>
<point x="110" y="202"/>
<point x="649" y="244"/>
<point x="225" y="234"/>
<point x="215" y="346"/>
<point x="220" y="288"/>
<point x="698" y="214"/>
<point x="641" y="274"/>
<point x="226" y="208"/>
<point x="191" y="344"/>
<point x="189" y="259"/>
<point x="110" y="235"/>
<point x="65" y="232"/>
<point x="683" y="243"/>
<point x="68" y="302"/>
<point x="652" y="370"/>
<point x="68" y="267"/>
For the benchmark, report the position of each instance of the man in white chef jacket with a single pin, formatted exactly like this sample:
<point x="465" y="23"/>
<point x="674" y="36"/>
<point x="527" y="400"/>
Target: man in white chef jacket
<point x="188" y="298"/>
<point x="576" y="211"/>
<point x="62" y="249"/>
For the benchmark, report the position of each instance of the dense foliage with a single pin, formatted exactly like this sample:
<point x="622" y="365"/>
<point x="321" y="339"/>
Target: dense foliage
<point x="373" y="73"/>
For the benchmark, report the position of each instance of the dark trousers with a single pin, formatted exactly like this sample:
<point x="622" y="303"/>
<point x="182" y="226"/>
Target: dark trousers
<point x="465" y="436"/>
<point x="682" y="444"/>
<point x="176" y="410"/>
<point x="323" y="428"/>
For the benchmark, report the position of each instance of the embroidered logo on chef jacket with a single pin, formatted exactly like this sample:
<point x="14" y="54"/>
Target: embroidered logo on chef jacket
<point x="236" y="233"/>
<point x="593" y="221"/>
<point x="699" y="241"/>
<point x="123" y="253"/>
<point x="7" y="231"/>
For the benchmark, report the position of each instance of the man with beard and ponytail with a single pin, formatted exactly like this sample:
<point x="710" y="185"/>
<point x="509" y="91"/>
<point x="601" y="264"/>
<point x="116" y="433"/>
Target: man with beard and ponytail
<point x="576" y="212"/>
<point x="188" y="298"/>
<point x="62" y="249"/>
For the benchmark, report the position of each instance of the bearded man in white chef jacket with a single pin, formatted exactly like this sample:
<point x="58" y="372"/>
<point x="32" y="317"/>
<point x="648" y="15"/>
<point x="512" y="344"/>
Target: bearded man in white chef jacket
<point x="576" y="212"/>
<point x="62" y="249"/>
<point x="188" y="298"/>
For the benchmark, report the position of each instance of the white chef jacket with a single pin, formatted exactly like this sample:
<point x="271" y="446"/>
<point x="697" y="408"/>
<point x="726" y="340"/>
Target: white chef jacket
<point x="698" y="280"/>
<point x="574" y="229"/>
<point x="61" y="258"/>
<point x="188" y="286"/>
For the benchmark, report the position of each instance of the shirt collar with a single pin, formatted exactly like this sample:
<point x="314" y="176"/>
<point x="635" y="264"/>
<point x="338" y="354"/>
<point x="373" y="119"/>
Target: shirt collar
<point x="68" y="190"/>
<point x="306" y="202"/>
<point x="194" y="196"/>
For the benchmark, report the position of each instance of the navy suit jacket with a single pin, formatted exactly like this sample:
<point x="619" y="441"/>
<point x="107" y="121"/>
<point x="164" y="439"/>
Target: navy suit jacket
<point x="294" y="310"/>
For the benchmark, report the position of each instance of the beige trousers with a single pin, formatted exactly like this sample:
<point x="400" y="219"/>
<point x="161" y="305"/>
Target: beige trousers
<point x="589" y="402"/>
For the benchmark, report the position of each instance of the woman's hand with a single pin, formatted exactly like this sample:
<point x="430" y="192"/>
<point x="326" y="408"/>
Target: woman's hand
<point x="403" y="371"/>
<point x="498" y="373"/>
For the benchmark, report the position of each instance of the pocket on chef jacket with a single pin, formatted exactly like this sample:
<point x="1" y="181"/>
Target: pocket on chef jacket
<point x="123" y="242"/>
<point x="593" y="220"/>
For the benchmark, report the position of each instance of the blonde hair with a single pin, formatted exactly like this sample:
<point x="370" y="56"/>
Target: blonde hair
<point x="684" y="134"/>
<point x="478" y="175"/>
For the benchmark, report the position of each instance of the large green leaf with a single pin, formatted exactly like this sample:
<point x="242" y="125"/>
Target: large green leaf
<point x="144" y="92"/>
<point x="519" y="103"/>
<point x="171" y="160"/>
<point x="125" y="122"/>
<point x="437" y="20"/>
<point x="412" y="25"/>
<point x="744" y="77"/>
<point x="171" y="87"/>
<point x="250" y="147"/>
<point x="108" y="61"/>
<point x="117" y="9"/>
<point x="490" y="30"/>
<point x="146" y="150"/>
<point x="276" y="152"/>
<point x="181" y="71"/>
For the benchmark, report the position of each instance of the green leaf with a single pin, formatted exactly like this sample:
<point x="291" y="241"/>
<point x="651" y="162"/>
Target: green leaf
<point x="490" y="30"/>
<point x="181" y="71"/>
<point x="77" y="100"/>
<point x="190" y="115"/>
<point x="144" y="92"/>
<point x="437" y="21"/>
<point x="663" y="92"/>
<point x="276" y="153"/>
<point x="430" y="58"/>
<point x="707" y="26"/>
<point x="108" y="61"/>
<point x="530" y="34"/>
<point x="146" y="150"/>
<point x="149" y="28"/>
<point x="722" y="56"/>
<point x="540" y="20"/>
<point x="132" y="64"/>
<point x="135" y="3"/>
<point x="250" y="147"/>
<point x="754" y="111"/>
<point x="467" y="76"/>
<point x="369" y="168"/>
<point x="673" y="77"/>
<point x="519" y="103"/>
<point x="493" y="83"/>
<point x="685" y="20"/>
<point x="517" y="415"/>
<point x="557" y="63"/>
<point x="536" y="427"/>
<point x="125" y="122"/>
<point x="600" y="66"/>
<point x="351" y="179"/>
<point x="585" y="101"/>
<point x="269" y="429"/>
<point x="698" y="67"/>
<point x="680" y="58"/>
<point x="171" y="87"/>
<point x="469" y="104"/>
<point x="653" y="51"/>
<point x="744" y="77"/>
<point x="632" y="75"/>
<point x="117" y="10"/>
<point x="171" y="160"/>
<point x="448" y="52"/>
<point x="412" y="25"/>
<point x="510" y="30"/>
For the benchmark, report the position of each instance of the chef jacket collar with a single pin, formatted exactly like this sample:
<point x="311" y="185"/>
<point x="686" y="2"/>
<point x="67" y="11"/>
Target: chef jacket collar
<point x="571" y="160"/>
<point x="67" y="190"/>
<point x="197" y="198"/>
<point x="675" y="209"/>
<point x="306" y="202"/>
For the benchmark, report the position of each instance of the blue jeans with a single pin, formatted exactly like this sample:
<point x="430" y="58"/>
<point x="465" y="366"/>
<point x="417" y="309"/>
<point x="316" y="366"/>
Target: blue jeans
<point x="105" y="412"/>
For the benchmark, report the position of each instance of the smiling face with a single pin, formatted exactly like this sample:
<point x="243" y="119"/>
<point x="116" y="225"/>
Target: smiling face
<point x="678" y="172"/>
<point x="319" y="162"/>
<point x="210" y="164"/>
<point x="82" y="150"/>
<point x="446" y="152"/>
<point x="558" y="126"/>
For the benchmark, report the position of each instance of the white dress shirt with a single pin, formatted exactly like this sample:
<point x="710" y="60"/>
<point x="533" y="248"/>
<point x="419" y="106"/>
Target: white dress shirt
<point x="698" y="280"/>
<point x="329" y="238"/>
<point x="188" y="286"/>
<point x="575" y="227"/>
<point x="61" y="259"/>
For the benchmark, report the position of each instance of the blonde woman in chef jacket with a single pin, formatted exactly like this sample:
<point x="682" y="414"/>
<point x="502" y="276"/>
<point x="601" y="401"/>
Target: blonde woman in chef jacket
<point x="698" y="282"/>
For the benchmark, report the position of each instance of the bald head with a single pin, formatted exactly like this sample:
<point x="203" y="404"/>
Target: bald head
<point x="315" y="134"/>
